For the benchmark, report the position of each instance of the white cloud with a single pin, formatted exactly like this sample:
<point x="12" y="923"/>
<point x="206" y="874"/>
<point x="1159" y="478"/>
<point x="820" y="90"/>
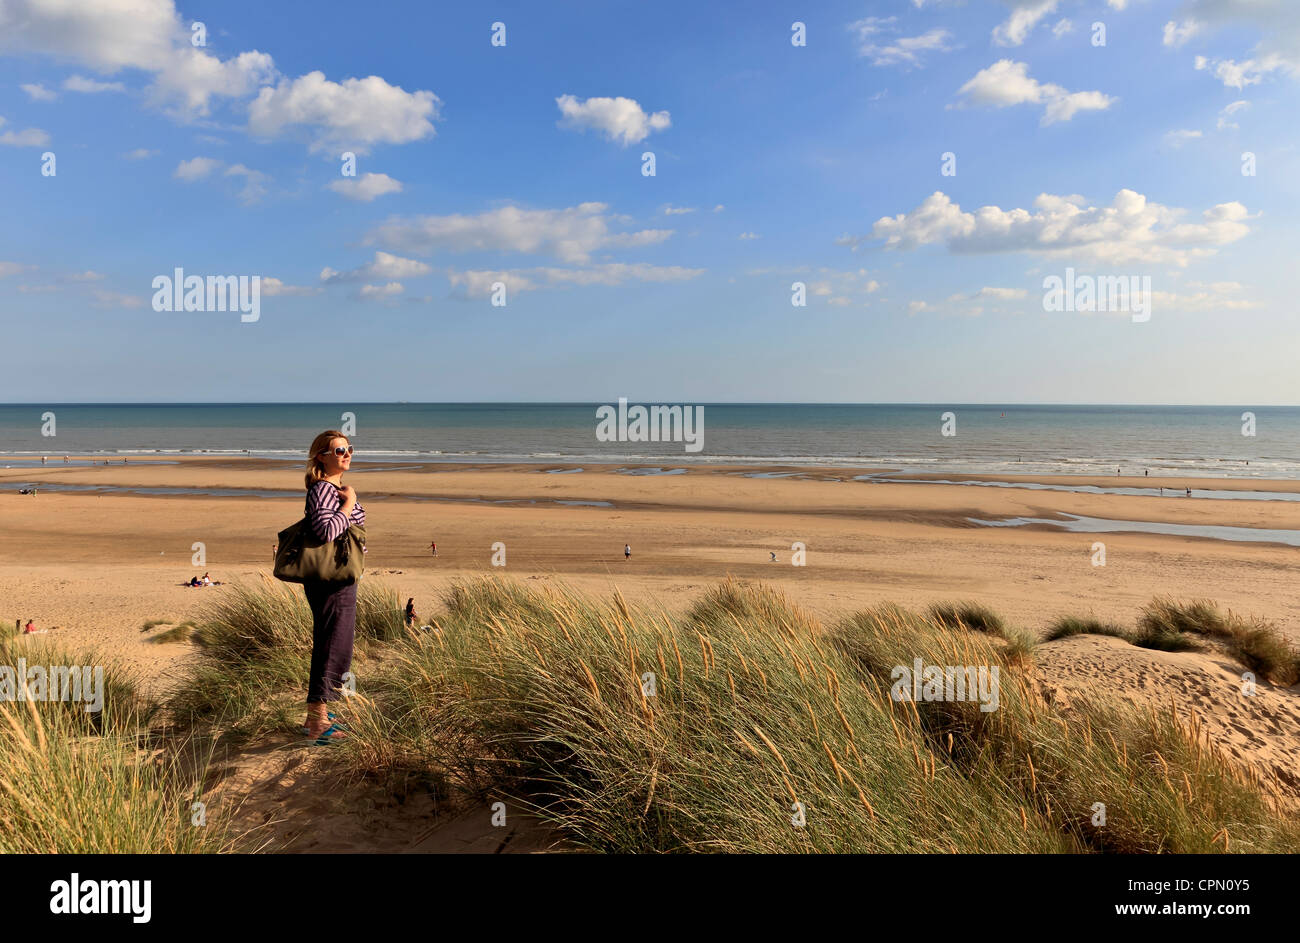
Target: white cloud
<point x="1179" y="138"/>
<point x="1214" y="296"/>
<point x="254" y="183"/>
<point x="479" y="283"/>
<point x="997" y="294"/>
<point x="719" y="208"/>
<point x="1025" y="15"/>
<point x="1238" y="75"/>
<point x="149" y="35"/>
<point x="367" y="187"/>
<point x="1007" y="83"/>
<point x="616" y="273"/>
<point x="78" y="83"/>
<point x="196" y="168"/>
<point x="1278" y="49"/>
<point x="86" y="276"/>
<point x="11" y="268"/>
<point x="901" y="50"/>
<point x="190" y="78"/>
<point x="1062" y="27"/>
<point x="38" y="92"/>
<point x="1228" y="111"/>
<point x="382" y="291"/>
<point x="915" y="307"/>
<point x="619" y="119"/>
<point x="825" y="282"/>
<point x="140" y="153"/>
<point x="1131" y="229"/>
<point x="383" y="266"/>
<point x="271" y="287"/>
<point x="107" y="35"/>
<point x="570" y="235"/>
<point x="29" y="137"/>
<point x="671" y="210"/>
<point x="749" y="235"/>
<point x="355" y="113"/>
<point x="1176" y="35"/>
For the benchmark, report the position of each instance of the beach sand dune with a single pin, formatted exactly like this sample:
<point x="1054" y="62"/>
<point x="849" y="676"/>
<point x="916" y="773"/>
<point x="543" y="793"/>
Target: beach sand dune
<point x="1261" y="731"/>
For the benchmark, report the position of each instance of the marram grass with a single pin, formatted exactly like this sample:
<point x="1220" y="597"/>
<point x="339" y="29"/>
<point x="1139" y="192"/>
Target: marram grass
<point x="764" y="731"/>
<point x="73" y="782"/>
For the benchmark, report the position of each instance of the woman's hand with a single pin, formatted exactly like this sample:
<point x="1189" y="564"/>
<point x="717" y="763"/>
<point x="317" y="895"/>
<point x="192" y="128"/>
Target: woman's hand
<point x="349" y="497"/>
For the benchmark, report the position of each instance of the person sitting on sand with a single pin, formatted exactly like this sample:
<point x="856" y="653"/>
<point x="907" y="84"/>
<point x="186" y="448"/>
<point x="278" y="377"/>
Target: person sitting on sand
<point x="207" y="580"/>
<point x="773" y="553"/>
<point x="194" y="581"/>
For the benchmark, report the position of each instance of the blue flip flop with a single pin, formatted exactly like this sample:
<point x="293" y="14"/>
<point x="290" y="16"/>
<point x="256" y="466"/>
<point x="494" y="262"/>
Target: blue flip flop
<point x="307" y="733"/>
<point x="327" y="735"/>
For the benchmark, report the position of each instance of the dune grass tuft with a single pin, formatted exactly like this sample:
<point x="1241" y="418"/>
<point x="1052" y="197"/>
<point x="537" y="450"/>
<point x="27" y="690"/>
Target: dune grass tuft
<point x="1256" y="643"/>
<point x="177" y="633"/>
<point x="1066" y="626"/>
<point x="969" y="615"/>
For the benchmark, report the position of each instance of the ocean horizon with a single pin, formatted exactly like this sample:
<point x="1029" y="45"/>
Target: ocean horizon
<point x="988" y="438"/>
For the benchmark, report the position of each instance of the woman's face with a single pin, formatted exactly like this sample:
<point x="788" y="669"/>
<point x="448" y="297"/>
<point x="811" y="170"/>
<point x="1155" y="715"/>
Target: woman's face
<point x="333" y="463"/>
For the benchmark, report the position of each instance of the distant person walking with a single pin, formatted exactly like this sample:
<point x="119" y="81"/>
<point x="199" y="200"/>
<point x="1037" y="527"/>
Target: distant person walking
<point x="331" y="507"/>
<point x="433" y="548"/>
<point x="627" y="551"/>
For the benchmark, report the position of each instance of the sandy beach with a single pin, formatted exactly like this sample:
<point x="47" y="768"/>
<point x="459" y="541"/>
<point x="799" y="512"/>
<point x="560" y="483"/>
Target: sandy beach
<point x="97" y="564"/>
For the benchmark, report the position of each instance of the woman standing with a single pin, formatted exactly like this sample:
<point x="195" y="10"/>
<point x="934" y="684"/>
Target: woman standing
<point x="331" y="507"/>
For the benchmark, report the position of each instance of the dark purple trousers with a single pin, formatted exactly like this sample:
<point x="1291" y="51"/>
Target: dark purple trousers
<point x="334" y="625"/>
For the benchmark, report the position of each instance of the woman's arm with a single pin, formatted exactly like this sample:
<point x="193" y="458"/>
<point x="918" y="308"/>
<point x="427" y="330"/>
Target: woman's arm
<point x="324" y="511"/>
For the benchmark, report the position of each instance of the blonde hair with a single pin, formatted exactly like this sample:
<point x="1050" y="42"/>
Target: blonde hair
<point x="315" y="470"/>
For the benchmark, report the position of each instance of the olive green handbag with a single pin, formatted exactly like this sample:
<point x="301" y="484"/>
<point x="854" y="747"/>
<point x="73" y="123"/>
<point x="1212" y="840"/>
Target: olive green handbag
<point x="302" y="557"/>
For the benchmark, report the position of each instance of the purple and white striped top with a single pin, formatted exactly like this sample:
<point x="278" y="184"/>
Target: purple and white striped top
<point x="324" y="511"/>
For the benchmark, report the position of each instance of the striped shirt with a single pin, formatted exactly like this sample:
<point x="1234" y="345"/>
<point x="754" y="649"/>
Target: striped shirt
<point x="324" y="511"/>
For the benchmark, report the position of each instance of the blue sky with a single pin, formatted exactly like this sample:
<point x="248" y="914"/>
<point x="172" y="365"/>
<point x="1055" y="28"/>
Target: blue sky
<point x="775" y="163"/>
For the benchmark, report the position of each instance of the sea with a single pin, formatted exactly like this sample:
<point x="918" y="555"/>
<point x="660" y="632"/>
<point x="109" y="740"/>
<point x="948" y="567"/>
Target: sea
<point x="1193" y="441"/>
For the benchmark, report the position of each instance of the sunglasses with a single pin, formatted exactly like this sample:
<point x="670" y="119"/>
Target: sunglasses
<point x="340" y="451"/>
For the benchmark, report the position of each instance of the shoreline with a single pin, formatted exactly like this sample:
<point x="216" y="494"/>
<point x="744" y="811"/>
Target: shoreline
<point x="786" y="465"/>
<point x="890" y="474"/>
